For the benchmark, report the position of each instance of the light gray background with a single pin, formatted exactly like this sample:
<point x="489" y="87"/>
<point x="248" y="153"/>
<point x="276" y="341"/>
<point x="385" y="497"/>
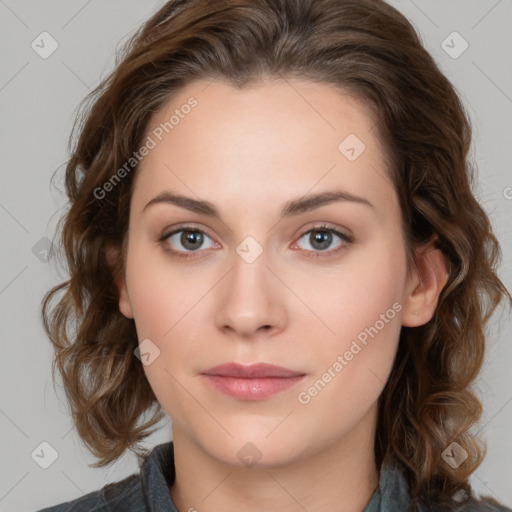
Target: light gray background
<point x="38" y="98"/>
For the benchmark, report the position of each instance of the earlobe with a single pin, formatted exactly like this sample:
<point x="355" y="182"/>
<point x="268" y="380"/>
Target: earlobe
<point x="112" y="255"/>
<point x="424" y="285"/>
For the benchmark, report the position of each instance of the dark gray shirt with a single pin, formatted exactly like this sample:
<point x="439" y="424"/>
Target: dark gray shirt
<point x="149" y="491"/>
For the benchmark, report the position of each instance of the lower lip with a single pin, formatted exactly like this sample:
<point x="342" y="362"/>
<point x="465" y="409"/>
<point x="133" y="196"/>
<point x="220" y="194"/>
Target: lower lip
<point x="252" y="389"/>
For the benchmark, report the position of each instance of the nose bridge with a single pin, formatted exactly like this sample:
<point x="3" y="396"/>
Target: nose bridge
<point x="249" y="279"/>
<point x="250" y="298"/>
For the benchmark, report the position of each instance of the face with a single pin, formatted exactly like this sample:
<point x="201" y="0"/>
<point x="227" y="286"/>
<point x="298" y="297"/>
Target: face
<point x="318" y="288"/>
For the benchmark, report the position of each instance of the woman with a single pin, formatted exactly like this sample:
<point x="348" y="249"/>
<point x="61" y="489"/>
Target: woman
<point x="271" y="210"/>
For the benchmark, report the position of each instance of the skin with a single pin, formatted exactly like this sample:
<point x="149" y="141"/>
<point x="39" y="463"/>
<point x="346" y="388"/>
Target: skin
<point x="248" y="152"/>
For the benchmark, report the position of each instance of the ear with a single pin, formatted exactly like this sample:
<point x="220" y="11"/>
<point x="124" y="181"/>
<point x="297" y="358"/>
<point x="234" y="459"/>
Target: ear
<point x="424" y="284"/>
<point x="113" y="258"/>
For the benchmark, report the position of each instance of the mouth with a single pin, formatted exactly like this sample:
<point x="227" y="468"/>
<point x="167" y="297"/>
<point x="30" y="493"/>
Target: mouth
<point x="251" y="382"/>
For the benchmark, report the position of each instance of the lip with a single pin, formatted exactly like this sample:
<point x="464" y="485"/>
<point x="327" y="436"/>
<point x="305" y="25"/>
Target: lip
<point x="251" y="382"/>
<point x="251" y="371"/>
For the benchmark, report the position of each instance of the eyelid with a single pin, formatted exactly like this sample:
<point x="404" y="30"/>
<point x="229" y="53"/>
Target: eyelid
<point x="327" y="226"/>
<point x="167" y="232"/>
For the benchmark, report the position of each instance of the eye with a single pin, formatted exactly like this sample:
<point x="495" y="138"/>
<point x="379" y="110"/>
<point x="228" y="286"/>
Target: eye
<point x="321" y="238"/>
<point x="191" y="239"/>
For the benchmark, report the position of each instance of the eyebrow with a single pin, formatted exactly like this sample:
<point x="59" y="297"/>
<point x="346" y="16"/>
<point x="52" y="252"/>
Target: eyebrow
<point x="290" y="208"/>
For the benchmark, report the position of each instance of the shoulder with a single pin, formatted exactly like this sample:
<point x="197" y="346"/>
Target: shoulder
<point x="125" y="495"/>
<point x="92" y="501"/>
<point x="138" y="492"/>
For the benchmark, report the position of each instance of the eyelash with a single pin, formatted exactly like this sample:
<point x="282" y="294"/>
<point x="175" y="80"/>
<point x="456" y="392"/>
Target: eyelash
<point x="311" y="254"/>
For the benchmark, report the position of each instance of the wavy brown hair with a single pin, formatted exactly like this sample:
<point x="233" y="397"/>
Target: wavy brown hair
<point x="365" y="48"/>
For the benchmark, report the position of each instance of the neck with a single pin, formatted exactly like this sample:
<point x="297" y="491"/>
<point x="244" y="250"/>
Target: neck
<point x="343" y="472"/>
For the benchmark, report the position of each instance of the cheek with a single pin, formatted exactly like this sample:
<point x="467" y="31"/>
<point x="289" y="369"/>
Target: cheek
<point x="164" y="310"/>
<point x="355" y="297"/>
<point x="158" y="293"/>
<point x="363" y="315"/>
<point x="167" y="312"/>
<point x="351" y="370"/>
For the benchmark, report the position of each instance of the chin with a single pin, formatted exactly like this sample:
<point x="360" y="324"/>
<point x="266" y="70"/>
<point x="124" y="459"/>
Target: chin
<point x="251" y="448"/>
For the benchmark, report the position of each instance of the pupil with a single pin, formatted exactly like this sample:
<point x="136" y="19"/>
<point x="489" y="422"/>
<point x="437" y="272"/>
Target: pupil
<point x="322" y="235"/>
<point x="189" y="237"/>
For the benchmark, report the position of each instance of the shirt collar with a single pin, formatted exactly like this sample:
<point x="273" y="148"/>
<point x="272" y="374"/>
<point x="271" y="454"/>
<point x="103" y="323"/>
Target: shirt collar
<point x="392" y="493"/>
<point x="157" y="473"/>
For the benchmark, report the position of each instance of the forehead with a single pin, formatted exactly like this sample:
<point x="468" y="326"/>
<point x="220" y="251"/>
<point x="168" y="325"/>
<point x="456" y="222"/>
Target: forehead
<point x="273" y="139"/>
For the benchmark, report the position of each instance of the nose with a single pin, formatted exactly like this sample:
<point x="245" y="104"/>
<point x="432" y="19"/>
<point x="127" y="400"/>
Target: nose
<point x="250" y="300"/>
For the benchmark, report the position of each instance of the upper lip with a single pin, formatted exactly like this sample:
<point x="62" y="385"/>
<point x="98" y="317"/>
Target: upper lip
<point x="251" y="371"/>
